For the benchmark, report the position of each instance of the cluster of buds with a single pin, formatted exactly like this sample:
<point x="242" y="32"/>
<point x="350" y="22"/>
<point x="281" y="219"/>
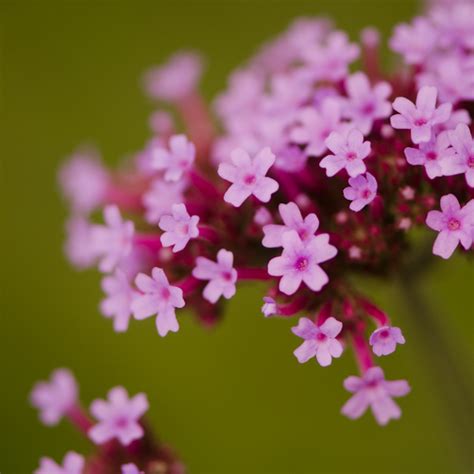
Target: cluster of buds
<point x="318" y="174"/>
<point x="124" y="442"/>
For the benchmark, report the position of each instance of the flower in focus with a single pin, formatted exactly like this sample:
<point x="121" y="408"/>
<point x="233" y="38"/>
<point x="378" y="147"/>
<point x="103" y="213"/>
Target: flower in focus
<point x="384" y="340"/>
<point x="361" y="191"/>
<point x="179" y="228"/>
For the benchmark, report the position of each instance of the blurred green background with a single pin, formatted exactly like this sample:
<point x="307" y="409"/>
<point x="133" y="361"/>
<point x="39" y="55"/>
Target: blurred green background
<point x="230" y="400"/>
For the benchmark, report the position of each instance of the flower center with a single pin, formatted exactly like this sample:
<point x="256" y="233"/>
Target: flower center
<point x="301" y="264"/>
<point x="368" y="108"/>
<point x="227" y="276"/>
<point x="431" y="155"/>
<point x="366" y="193"/>
<point x="384" y="334"/>
<point x="470" y="161"/>
<point x="121" y="422"/>
<point x="183" y="229"/>
<point x="250" y="179"/>
<point x="420" y="121"/>
<point x="453" y="224"/>
<point x="320" y="337"/>
<point x="351" y="155"/>
<point x="165" y="293"/>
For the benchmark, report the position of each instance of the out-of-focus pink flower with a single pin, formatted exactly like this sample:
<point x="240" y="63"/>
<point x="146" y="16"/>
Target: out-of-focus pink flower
<point x="361" y="191"/>
<point x="55" y="398"/>
<point x="73" y="463"/>
<point x="79" y="247"/>
<point x="373" y="390"/>
<point x="118" y="300"/>
<point x="112" y="241"/>
<point x="131" y="468"/>
<point x="84" y="181"/>
<point x="158" y="297"/>
<point x="292" y="220"/>
<point x="454" y="224"/>
<point x="462" y="142"/>
<point x="161" y="196"/>
<point x="118" y="417"/>
<point x="349" y="150"/>
<point x="420" y="118"/>
<point x="247" y="176"/>
<point x="319" y="341"/>
<point x="176" y="79"/>
<point x="366" y="104"/>
<point x="222" y="275"/>
<point x="179" y="228"/>
<point x="385" y="339"/>
<point x="299" y="262"/>
<point x="176" y="161"/>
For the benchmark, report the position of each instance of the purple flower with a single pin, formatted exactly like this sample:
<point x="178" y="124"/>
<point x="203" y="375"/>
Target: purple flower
<point x="437" y="156"/>
<point x="420" y="118"/>
<point x="319" y="341"/>
<point x="315" y="125"/>
<point x="247" y="176"/>
<point x="56" y="397"/>
<point x="349" y="152"/>
<point x="454" y="224"/>
<point x="177" y="160"/>
<point x="384" y="340"/>
<point x="373" y="390"/>
<point x="118" y="417"/>
<point x="292" y="220"/>
<point x="361" y="191"/>
<point x="157" y="297"/>
<point x="130" y="468"/>
<point x="84" y="181"/>
<point x="270" y="307"/>
<point x="113" y="242"/>
<point x="300" y="261"/>
<point x="462" y="142"/>
<point x="176" y="79"/>
<point x="117" y="303"/>
<point x="161" y="196"/>
<point x="179" y="228"/>
<point x="73" y="463"/>
<point x="366" y="104"/>
<point x="221" y="275"/>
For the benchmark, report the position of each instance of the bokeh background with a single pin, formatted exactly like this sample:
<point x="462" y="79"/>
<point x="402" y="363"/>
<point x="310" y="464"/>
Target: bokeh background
<point x="230" y="400"/>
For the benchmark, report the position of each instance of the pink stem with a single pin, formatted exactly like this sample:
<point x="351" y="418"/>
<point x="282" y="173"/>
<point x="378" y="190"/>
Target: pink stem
<point x="380" y="317"/>
<point x="362" y="352"/>
<point x="79" y="418"/>
<point x="292" y="308"/>
<point x="188" y="284"/>
<point x="253" y="274"/>
<point x="208" y="233"/>
<point x="152" y="241"/>
<point x="204" y="185"/>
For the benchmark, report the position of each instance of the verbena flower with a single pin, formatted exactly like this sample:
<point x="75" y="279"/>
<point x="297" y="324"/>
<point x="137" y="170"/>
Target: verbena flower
<point x="384" y="340"/>
<point x="73" y="463"/>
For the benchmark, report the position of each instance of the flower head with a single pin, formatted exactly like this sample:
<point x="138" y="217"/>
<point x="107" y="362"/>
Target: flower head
<point x="179" y="228"/>
<point x="420" y="118"/>
<point x="222" y="275"/>
<point x="361" y="191"/>
<point x="247" y="176"/>
<point x="118" y="417"/>
<point x="384" y="340"/>
<point x="319" y="341"/>
<point x="373" y="390"/>
<point x="73" y="463"/>
<point x="55" y="398"/>
<point x="292" y="220"/>
<point x="177" y="160"/>
<point x="299" y="262"/>
<point x="158" y="297"/>
<point x="454" y="224"/>
<point x="463" y="144"/>
<point x="349" y="150"/>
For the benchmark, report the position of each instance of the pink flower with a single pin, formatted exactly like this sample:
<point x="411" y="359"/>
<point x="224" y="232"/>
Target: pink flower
<point x="55" y="398"/>
<point x="73" y="463"/>
<point x="176" y="79"/>
<point x="373" y="390"/>
<point x="420" y="118"/>
<point x="366" y="104"/>
<point x="117" y="303"/>
<point x="349" y="152"/>
<point x="158" y="297"/>
<point x="292" y="220"/>
<point x="84" y="181"/>
<point x="159" y="199"/>
<point x="179" y="228"/>
<point x="462" y="142"/>
<point x="113" y="241"/>
<point x="319" y="341"/>
<point x="118" y="417"/>
<point x="454" y="224"/>
<point x="177" y="160"/>
<point x="437" y="156"/>
<point x="299" y="262"/>
<point x="247" y="176"/>
<point x="384" y="340"/>
<point x="79" y="248"/>
<point x="222" y="275"/>
<point x="269" y="307"/>
<point x="361" y="191"/>
<point x="130" y="468"/>
<point x="315" y="125"/>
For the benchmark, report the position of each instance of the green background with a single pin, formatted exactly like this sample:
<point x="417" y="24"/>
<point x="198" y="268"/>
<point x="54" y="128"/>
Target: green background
<point x="230" y="400"/>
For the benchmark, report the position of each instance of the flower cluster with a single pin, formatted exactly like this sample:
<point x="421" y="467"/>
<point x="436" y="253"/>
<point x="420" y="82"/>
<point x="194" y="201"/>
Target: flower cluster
<point x="124" y="443"/>
<point x="318" y="175"/>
